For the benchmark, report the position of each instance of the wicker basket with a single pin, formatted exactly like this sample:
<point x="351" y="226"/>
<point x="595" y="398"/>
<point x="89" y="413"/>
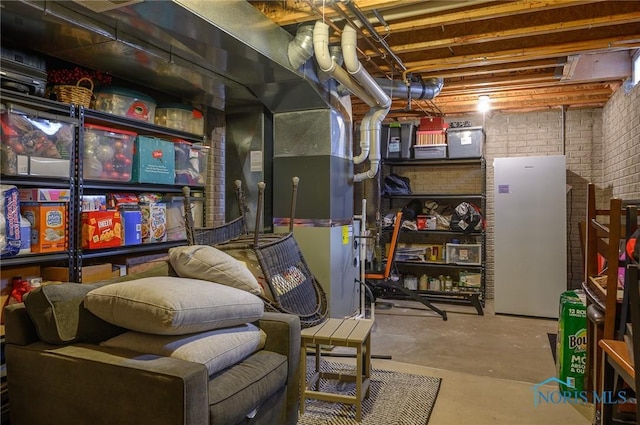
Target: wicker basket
<point x="75" y="94"/>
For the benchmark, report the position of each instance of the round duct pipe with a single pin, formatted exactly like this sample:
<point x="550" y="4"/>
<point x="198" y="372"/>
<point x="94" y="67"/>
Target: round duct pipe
<point x="300" y="49"/>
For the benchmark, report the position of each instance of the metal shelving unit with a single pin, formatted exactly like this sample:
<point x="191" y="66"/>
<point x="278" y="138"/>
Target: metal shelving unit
<point x="467" y="296"/>
<point x="78" y="186"/>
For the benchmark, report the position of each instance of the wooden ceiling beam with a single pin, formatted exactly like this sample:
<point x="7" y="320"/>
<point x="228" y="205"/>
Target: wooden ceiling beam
<point x="488" y="12"/>
<point x="516" y="55"/>
<point x="523" y="31"/>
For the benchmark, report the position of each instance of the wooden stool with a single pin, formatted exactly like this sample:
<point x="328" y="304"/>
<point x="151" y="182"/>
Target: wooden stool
<point x="342" y="333"/>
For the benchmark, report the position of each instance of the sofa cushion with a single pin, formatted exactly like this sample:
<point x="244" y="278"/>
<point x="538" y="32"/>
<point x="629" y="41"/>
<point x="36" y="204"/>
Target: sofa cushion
<point x="209" y="263"/>
<point x="173" y="305"/>
<point x="216" y="349"/>
<point x="238" y="391"/>
<point x="59" y="316"/>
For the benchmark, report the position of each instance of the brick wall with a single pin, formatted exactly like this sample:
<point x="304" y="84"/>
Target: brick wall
<point x="215" y="190"/>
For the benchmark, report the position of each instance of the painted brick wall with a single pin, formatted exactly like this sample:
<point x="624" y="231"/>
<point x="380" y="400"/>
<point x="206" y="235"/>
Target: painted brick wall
<point x="621" y="152"/>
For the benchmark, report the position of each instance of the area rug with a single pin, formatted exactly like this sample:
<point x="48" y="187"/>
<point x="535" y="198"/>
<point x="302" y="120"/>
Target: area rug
<point x="395" y="398"/>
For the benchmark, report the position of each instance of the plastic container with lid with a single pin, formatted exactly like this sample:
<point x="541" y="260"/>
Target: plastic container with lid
<point x="108" y="153"/>
<point x="126" y="103"/>
<point x="191" y="161"/>
<point x="180" y="117"/>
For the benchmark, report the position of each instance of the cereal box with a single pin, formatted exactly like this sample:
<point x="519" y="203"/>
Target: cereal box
<point x="154" y="223"/>
<point x="48" y="225"/>
<point x="101" y="229"/>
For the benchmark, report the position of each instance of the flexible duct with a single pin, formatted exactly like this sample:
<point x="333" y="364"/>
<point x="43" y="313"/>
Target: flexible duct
<point x="372" y="122"/>
<point x="300" y="49"/>
<point x="327" y="64"/>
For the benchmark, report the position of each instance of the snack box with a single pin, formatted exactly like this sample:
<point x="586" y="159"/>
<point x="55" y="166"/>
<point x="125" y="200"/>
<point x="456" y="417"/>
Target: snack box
<point x="10" y="231"/>
<point x="114" y="200"/>
<point x="154" y="223"/>
<point x="101" y="229"/>
<point x="108" y="153"/>
<point x="125" y="103"/>
<point x="45" y="195"/>
<point x="153" y="161"/>
<point x="48" y="225"/>
<point x="131" y="217"/>
<point x="94" y="202"/>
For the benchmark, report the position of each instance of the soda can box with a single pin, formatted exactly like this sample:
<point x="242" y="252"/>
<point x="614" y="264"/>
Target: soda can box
<point x="45" y="195"/>
<point x="48" y="225"/>
<point x="101" y="229"/>
<point x="571" y="347"/>
<point x="131" y="217"/>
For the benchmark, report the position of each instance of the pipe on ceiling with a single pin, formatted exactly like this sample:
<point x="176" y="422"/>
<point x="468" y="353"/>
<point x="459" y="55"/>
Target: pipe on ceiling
<point x="327" y="64"/>
<point x="371" y="125"/>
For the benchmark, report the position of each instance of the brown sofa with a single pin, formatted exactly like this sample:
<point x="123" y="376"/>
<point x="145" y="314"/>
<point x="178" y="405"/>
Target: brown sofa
<point x="74" y="380"/>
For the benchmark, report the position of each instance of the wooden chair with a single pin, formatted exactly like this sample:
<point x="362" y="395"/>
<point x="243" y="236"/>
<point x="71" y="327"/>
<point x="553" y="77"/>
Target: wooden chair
<point x="603" y="230"/>
<point x="381" y="282"/>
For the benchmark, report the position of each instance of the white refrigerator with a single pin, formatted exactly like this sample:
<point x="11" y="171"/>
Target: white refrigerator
<point x="530" y="244"/>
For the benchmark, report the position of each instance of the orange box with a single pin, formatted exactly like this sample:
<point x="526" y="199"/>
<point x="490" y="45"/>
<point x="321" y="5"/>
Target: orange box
<point x="101" y="229"/>
<point x="48" y="225"/>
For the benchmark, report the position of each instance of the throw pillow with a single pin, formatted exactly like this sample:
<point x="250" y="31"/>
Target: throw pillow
<point x="60" y="318"/>
<point x="173" y="305"/>
<point x="209" y="263"/>
<point x="217" y="349"/>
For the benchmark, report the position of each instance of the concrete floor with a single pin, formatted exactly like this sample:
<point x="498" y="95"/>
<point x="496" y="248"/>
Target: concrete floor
<point x="489" y="364"/>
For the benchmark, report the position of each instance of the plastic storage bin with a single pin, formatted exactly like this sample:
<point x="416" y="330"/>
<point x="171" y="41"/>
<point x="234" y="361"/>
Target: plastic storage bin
<point x="470" y="254"/>
<point x="34" y="144"/>
<point x="191" y="162"/>
<point x="430" y="151"/>
<point x="153" y="161"/>
<point x="180" y="117"/>
<point x="126" y="103"/>
<point x="465" y="142"/>
<point x="108" y="153"/>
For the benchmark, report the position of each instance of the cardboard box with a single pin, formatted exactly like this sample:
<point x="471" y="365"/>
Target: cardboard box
<point x="101" y="229"/>
<point x="470" y="279"/>
<point x="10" y="208"/>
<point x="45" y="195"/>
<point x="94" y="203"/>
<point x="48" y="225"/>
<point x="153" y="161"/>
<point x="154" y="223"/>
<point x="46" y="167"/>
<point x="114" y="200"/>
<point x="131" y="217"/>
<point x="89" y="273"/>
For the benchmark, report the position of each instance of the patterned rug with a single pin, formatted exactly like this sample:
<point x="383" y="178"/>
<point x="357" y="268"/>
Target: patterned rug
<point x="395" y="399"/>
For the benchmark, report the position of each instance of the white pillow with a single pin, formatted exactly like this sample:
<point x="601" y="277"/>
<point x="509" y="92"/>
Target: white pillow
<point x="209" y="263"/>
<point x="167" y="305"/>
<point x="217" y="349"/>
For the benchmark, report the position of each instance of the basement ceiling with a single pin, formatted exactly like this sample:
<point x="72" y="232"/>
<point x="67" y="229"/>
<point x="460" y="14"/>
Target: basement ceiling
<point x="524" y="55"/>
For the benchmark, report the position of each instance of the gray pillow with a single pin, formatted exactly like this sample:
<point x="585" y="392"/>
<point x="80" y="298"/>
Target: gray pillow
<point x="59" y="316"/>
<point x="209" y="263"/>
<point x="217" y="349"/>
<point x="173" y="305"/>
